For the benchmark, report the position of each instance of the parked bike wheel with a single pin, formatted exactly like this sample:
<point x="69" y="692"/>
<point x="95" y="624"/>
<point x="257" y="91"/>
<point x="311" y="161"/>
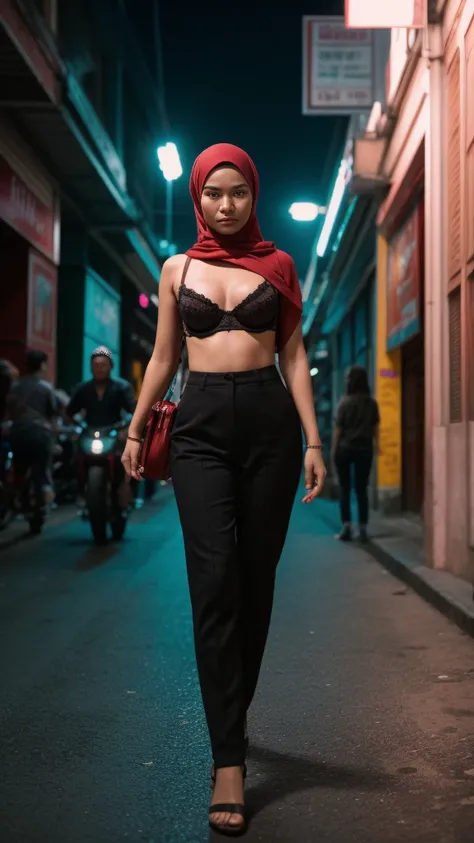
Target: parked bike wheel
<point x="96" y="501"/>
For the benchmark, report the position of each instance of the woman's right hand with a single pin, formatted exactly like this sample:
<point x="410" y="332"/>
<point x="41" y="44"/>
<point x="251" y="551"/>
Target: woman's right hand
<point x="130" y="459"/>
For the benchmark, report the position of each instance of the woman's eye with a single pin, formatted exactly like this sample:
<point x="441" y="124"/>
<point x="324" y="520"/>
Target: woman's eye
<point x="240" y="193"/>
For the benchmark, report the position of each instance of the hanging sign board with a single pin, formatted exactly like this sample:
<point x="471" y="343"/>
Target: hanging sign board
<point x="403" y="283"/>
<point x="377" y="14"/>
<point x="337" y="67"/>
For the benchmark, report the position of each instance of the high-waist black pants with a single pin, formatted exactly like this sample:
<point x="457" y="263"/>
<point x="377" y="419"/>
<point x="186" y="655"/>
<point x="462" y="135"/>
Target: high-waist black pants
<point x="236" y="461"/>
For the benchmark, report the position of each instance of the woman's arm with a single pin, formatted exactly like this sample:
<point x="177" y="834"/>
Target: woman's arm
<point x="163" y="363"/>
<point x="294" y="366"/>
<point x="165" y="358"/>
<point x="295" y="370"/>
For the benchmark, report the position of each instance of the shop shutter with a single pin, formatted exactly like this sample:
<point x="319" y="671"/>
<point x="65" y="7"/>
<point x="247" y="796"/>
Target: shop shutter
<point x="455" y="405"/>
<point x="469" y="188"/>
<point x="470" y="335"/>
<point x="454" y="170"/>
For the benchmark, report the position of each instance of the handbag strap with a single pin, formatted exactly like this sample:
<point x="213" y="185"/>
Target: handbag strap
<point x="171" y="388"/>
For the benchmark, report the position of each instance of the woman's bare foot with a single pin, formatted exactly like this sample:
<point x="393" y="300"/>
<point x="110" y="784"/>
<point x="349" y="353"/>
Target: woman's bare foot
<point x="229" y="788"/>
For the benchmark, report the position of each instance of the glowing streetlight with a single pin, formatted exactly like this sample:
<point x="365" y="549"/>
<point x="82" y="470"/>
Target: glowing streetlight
<point x="170" y="166"/>
<point x="305" y="211"/>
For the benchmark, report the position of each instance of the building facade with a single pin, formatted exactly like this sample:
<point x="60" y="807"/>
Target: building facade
<point x="420" y="157"/>
<point x="81" y="195"/>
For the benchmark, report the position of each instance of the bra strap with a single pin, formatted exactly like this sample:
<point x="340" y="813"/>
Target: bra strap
<point x="185" y="270"/>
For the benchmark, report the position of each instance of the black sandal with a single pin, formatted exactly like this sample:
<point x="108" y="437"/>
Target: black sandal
<point x="226" y="828"/>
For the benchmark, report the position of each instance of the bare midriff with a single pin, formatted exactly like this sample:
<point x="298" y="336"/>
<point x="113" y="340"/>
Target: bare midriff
<point x="231" y="351"/>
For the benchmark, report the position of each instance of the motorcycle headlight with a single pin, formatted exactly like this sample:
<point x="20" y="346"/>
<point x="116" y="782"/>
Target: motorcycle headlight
<point x="97" y="447"/>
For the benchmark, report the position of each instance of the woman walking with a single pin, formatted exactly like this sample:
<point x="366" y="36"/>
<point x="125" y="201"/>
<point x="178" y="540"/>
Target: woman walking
<point x="355" y="434"/>
<point x="236" y="449"/>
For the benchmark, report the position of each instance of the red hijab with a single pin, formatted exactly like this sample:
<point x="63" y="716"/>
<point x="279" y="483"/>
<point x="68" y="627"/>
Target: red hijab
<point x="247" y="248"/>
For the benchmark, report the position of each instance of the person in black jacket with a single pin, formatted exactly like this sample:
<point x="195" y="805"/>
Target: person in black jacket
<point x="102" y="400"/>
<point x="356" y="433"/>
<point x="32" y="409"/>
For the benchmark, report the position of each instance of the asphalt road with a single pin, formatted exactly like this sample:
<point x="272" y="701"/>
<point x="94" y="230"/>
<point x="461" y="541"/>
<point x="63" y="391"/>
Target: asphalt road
<point x="362" y="731"/>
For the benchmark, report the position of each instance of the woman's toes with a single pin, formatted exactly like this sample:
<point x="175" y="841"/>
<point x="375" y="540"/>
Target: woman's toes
<point x="226" y="819"/>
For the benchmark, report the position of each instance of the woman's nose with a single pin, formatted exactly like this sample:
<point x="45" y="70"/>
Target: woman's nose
<point x="227" y="203"/>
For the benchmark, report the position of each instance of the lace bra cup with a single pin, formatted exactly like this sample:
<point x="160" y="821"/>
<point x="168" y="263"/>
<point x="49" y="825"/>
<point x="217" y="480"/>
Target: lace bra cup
<point x="257" y="313"/>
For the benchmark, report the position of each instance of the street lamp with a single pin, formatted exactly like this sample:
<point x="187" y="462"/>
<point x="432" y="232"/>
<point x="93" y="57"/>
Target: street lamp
<point x="305" y="211"/>
<point x="170" y="166"/>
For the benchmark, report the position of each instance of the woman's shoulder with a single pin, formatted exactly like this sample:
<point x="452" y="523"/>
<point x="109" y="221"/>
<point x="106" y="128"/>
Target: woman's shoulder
<point x="175" y="263"/>
<point x="172" y="269"/>
<point x="285" y="259"/>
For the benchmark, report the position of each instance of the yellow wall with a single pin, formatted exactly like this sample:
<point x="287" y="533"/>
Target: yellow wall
<point x="387" y="388"/>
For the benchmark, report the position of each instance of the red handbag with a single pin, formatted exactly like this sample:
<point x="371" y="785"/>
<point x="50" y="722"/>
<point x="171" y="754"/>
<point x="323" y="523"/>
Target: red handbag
<point x="154" y="456"/>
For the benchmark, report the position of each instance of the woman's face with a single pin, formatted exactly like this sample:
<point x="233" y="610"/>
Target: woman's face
<point x="226" y="200"/>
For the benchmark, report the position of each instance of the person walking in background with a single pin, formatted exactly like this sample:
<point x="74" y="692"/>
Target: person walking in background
<point x="356" y="433"/>
<point x="32" y="408"/>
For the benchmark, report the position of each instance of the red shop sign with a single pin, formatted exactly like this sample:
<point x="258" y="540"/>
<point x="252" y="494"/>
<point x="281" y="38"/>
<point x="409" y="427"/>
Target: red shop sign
<point x="403" y="282"/>
<point x="22" y="209"/>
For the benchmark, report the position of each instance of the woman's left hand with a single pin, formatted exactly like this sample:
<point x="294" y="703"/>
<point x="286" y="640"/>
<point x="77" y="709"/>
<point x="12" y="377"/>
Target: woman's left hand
<point x="314" y="474"/>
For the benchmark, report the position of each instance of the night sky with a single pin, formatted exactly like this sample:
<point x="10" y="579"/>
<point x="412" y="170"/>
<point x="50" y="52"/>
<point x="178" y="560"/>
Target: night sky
<point x="233" y="72"/>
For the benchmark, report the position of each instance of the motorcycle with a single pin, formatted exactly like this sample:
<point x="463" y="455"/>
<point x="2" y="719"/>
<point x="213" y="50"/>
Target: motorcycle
<point x="99" y="456"/>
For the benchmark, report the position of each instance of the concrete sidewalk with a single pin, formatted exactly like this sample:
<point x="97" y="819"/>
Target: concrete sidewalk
<point x="397" y="543"/>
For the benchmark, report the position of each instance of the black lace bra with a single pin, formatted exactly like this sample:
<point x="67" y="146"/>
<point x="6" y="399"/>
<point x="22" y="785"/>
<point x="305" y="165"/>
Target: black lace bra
<point x="257" y="313"/>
